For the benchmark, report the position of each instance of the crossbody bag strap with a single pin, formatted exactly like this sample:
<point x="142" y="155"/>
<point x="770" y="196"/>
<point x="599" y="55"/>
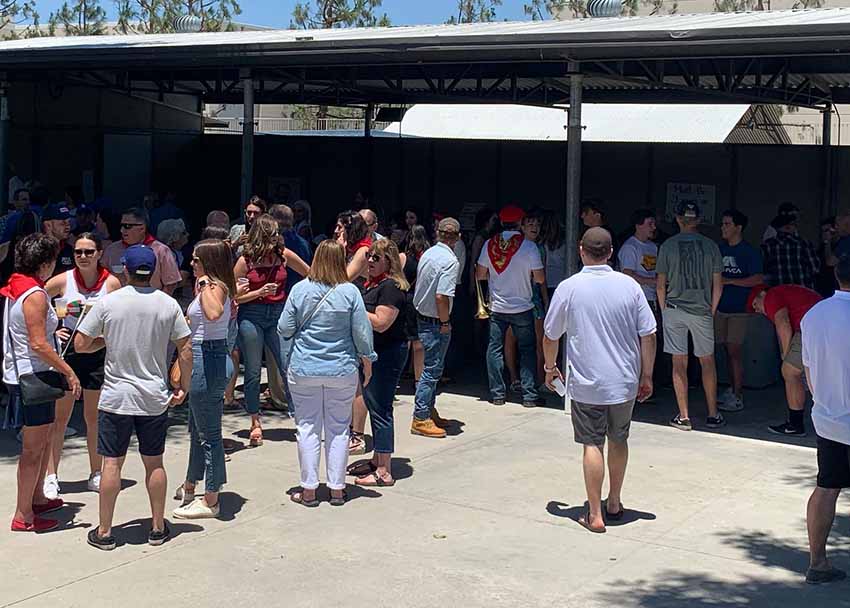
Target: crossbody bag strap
<point x="6" y="318"/>
<point x="313" y="312"/>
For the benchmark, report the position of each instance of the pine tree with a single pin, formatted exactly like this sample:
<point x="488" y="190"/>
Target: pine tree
<point x="475" y="11"/>
<point x="80" y="18"/>
<point x="324" y="14"/>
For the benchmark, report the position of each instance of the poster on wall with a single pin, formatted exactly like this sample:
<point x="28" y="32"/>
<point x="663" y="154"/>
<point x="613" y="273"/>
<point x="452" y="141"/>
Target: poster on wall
<point x="704" y="195"/>
<point x="284" y="190"/>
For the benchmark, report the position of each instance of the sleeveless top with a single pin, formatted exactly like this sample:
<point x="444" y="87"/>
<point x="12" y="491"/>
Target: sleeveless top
<point x="77" y="299"/>
<point x="257" y="277"/>
<point x="202" y="328"/>
<point x="16" y="329"/>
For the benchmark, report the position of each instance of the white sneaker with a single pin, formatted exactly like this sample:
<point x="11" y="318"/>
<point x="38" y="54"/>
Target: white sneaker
<point x="196" y="509"/>
<point x="735" y="404"/>
<point x="728" y="396"/>
<point x="51" y="487"/>
<point x="94" y="482"/>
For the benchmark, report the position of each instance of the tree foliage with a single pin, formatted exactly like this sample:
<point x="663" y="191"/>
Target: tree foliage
<point x="80" y="18"/>
<point x="16" y="12"/>
<point x="475" y="11"/>
<point x="157" y="16"/>
<point x="324" y="14"/>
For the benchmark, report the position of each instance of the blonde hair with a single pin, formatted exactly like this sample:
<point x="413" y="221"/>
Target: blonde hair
<point x="328" y="265"/>
<point x="386" y="248"/>
<point x="263" y="240"/>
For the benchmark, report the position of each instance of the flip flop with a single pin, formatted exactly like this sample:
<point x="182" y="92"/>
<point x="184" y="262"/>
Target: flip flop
<point x="584" y="522"/>
<point x="614" y="516"/>
<point x="298" y="498"/>
<point x="373" y="480"/>
<point x="816" y="577"/>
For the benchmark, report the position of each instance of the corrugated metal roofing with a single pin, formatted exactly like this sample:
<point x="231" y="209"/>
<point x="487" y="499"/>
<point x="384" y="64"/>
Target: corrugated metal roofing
<point x="675" y="26"/>
<point x="669" y="123"/>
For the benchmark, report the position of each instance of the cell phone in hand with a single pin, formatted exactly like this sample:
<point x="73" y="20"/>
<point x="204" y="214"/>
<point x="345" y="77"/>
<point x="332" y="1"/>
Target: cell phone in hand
<point x="559" y="387"/>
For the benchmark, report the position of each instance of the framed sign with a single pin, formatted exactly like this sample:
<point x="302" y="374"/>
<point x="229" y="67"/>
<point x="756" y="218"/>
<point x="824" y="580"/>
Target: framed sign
<point x="704" y="195"/>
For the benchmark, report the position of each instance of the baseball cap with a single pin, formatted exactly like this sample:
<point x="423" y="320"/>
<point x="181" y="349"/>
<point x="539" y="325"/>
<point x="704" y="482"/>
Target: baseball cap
<point x="139" y="259"/>
<point x="56" y="211"/>
<point x="448" y="224"/>
<point x="687" y="209"/>
<point x="511" y="215"/>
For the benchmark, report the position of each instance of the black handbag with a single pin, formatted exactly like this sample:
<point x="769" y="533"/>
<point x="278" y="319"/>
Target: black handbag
<point x="36" y="387"/>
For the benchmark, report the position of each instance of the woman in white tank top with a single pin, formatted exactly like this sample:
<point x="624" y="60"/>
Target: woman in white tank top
<point x="209" y="319"/>
<point x="29" y="347"/>
<point x="74" y="292"/>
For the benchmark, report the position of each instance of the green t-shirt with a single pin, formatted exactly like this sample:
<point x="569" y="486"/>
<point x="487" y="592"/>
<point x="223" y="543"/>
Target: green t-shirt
<point x="689" y="261"/>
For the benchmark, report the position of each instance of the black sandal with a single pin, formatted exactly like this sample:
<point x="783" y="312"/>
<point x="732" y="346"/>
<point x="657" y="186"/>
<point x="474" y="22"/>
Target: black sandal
<point x="298" y="498"/>
<point x="614" y="516"/>
<point x="586" y="523"/>
<point x="338" y="501"/>
<point x="379" y="482"/>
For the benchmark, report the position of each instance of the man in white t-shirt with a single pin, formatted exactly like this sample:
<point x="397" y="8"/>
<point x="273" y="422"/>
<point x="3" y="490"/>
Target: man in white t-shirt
<point x="638" y="254"/>
<point x="135" y="324"/>
<point x="826" y="333"/>
<point x="510" y="263"/>
<point x="610" y="333"/>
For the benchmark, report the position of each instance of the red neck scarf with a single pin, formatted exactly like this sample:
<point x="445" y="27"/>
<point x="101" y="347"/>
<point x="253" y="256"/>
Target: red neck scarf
<point x="147" y="241"/>
<point x="103" y="274"/>
<point x="19" y="284"/>
<point x="370" y="282"/>
<point x="364" y="242"/>
<point x="501" y="251"/>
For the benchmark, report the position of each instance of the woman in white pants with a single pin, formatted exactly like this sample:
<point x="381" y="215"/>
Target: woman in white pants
<point x="328" y="339"/>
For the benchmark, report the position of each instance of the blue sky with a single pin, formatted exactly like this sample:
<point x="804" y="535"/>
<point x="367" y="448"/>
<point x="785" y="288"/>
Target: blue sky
<point x="277" y="13"/>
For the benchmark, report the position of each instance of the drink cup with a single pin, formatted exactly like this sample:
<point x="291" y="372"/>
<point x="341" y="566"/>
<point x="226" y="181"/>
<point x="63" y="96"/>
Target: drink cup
<point x="61" y="308"/>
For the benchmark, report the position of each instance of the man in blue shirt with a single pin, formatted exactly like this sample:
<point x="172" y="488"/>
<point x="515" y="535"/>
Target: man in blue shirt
<point x="742" y="270"/>
<point x="842" y="225"/>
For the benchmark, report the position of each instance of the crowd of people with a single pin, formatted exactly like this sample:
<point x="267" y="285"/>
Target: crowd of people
<point x="337" y="318"/>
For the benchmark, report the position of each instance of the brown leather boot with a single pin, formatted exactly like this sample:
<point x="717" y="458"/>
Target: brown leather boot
<point x="438" y="420"/>
<point x="426" y="428"/>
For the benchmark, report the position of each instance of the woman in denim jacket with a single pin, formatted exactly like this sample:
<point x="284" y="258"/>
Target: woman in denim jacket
<point x="329" y="336"/>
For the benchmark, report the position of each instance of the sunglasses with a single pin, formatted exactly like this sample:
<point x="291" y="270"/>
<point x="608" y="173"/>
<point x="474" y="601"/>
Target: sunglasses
<point x="373" y="257"/>
<point x="130" y="226"/>
<point x="84" y="253"/>
<point x="196" y="259"/>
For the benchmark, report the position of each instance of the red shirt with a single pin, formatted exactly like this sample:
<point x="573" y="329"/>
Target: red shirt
<point x="260" y="275"/>
<point x="798" y="300"/>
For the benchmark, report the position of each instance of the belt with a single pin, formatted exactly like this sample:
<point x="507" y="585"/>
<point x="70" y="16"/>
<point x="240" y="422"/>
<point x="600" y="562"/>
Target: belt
<point x="422" y="317"/>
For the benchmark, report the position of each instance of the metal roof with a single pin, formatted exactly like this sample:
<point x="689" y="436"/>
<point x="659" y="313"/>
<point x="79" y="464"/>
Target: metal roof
<point x="790" y="57"/>
<point x="692" y="123"/>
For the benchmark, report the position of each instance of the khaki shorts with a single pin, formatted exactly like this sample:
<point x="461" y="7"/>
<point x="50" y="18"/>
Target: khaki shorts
<point x="678" y="324"/>
<point x="731" y="328"/>
<point x="593" y="423"/>
<point x="794" y="358"/>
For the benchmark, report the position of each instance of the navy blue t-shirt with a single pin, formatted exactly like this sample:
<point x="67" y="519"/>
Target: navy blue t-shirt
<point x="739" y="262"/>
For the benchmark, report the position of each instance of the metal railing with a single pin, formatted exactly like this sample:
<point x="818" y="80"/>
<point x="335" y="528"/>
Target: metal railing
<point x="270" y="125"/>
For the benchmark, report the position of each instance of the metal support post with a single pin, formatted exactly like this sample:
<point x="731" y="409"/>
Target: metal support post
<point x="247" y="136"/>
<point x="573" y="168"/>
<point x="826" y="143"/>
<point x="5" y="159"/>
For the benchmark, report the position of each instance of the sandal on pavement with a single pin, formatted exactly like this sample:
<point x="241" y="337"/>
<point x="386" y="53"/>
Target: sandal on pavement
<point x="614" y="516"/>
<point x="584" y="522"/>
<point x="374" y="480"/>
<point x="298" y="498"/>
<point x="183" y="496"/>
<point x="338" y="501"/>
<point x="256" y="437"/>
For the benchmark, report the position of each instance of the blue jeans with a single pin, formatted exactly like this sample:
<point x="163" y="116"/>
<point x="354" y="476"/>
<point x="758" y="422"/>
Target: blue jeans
<point x="257" y="329"/>
<point x="523" y="326"/>
<point x="206" y="397"/>
<point x="435" y="344"/>
<point x="380" y="391"/>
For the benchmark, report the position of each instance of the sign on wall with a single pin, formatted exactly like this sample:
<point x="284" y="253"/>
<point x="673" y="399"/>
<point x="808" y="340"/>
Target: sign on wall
<point x="704" y="195"/>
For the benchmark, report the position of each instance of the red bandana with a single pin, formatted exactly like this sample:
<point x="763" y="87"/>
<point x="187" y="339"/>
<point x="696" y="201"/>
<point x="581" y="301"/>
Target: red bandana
<point x="81" y="283"/>
<point x="364" y="242"/>
<point x="501" y="251"/>
<point x="19" y="284"/>
<point x="374" y="282"/>
<point x="148" y="240"/>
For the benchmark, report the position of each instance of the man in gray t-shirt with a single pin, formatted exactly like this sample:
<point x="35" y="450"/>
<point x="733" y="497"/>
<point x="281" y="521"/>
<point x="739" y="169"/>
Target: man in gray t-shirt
<point x="135" y="324"/>
<point x="689" y="271"/>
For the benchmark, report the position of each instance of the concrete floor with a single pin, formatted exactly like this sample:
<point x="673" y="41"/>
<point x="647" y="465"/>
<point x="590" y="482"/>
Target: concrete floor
<point x="483" y="518"/>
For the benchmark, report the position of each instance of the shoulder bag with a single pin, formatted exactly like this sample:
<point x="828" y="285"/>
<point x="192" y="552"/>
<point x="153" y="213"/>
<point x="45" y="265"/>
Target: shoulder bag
<point x="36" y="387"/>
<point x="287" y="343"/>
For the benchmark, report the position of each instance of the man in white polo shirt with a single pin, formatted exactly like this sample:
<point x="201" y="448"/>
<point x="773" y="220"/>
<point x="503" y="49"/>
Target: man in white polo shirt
<point x="826" y="333"/>
<point x="610" y="333"/>
<point x="510" y="263"/>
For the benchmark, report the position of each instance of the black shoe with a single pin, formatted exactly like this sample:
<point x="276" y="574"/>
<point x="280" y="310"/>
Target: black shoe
<point x="787" y="429"/>
<point x="715" y="422"/>
<point x="817" y="577"/>
<point x="157" y="537"/>
<point x="104" y="543"/>
<point x="683" y="424"/>
<point x="530" y="404"/>
<point x="498" y="402"/>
